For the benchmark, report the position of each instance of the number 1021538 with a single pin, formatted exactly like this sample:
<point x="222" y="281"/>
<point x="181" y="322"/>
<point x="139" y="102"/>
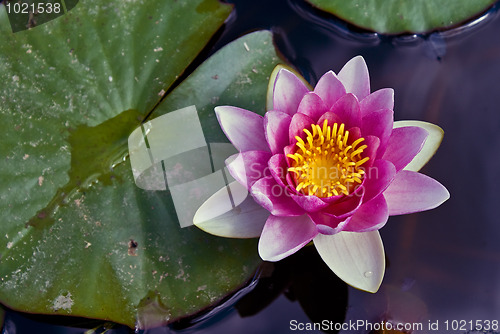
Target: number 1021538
<point x="36" y="8"/>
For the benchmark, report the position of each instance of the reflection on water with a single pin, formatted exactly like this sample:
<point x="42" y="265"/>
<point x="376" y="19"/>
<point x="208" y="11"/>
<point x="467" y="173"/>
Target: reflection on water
<point x="444" y="264"/>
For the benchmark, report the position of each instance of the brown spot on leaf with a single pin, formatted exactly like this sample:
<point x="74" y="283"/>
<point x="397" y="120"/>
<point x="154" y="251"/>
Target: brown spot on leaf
<point x="132" y="246"/>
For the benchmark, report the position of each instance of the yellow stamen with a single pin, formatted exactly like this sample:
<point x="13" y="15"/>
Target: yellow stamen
<point x="356" y="142"/>
<point x="297" y="138"/>
<point x="327" y="163"/>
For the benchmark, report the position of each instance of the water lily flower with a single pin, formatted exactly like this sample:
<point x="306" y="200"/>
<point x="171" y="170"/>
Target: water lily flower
<point x="330" y="166"/>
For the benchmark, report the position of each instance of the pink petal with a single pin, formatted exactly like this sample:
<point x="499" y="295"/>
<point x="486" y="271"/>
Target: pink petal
<point x="274" y="198"/>
<point x="379" y="123"/>
<point x="430" y="146"/>
<point x="245" y="129"/>
<point x="309" y="203"/>
<point x="291" y="183"/>
<point x="354" y="134"/>
<point x="414" y="192"/>
<point x="313" y="106"/>
<point x="283" y="236"/>
<point x="346" y="208"/>
<point x="333" y="199"/>
<point x="373" y="144"/>
<point x="355" y="78"/>
<point x="278" y="168"/>
<point x="248" y="167"/>
<point x="288" y="92"/>
<point x="329" y="88"/>
<point x="404" y="144"/>
<point x="377" y="178"/>
<point x="327" y="224"/>
<point x="276" y="124"/>
<point x="347" y="109"/>
<point x="371" y="216"/>
<point x="331" y="117"/>
<point x="290" y="149"/>
<point x="297" y="126"/>
<point x="381" y="99"/>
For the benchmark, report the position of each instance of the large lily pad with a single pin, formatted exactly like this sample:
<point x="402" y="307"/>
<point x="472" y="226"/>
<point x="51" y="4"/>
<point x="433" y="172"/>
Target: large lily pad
<point x="77" y="236"/>
<point x="400" y="16"/>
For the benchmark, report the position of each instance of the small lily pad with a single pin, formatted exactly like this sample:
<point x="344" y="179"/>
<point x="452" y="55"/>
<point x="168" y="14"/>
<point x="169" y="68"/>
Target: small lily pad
<point x="403" y="16"/>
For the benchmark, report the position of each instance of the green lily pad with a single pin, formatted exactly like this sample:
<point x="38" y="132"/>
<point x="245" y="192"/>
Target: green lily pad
<point x="401" y="16"/>
<point x="77" y="236"/>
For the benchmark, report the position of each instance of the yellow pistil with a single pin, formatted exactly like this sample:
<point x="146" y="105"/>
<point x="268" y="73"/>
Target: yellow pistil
<point x="326" y="164"/>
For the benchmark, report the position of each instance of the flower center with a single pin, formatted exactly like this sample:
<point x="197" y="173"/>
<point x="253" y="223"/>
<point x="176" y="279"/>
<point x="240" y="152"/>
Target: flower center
<point x="327" y="163"/>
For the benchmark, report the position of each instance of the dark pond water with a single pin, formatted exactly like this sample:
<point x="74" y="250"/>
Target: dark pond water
<point x="444" y="264"/>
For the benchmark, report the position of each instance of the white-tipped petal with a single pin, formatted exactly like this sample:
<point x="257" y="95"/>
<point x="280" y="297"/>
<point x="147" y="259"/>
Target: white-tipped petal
<point x="249" y="137"/>
<point x="232" y="213"/>
<point x="355" y="77"/>
<point x="356" y="258"/>
<point x="272" y="80"/>
<point x="270" y="86"/>
<point x="430" y="146"/>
